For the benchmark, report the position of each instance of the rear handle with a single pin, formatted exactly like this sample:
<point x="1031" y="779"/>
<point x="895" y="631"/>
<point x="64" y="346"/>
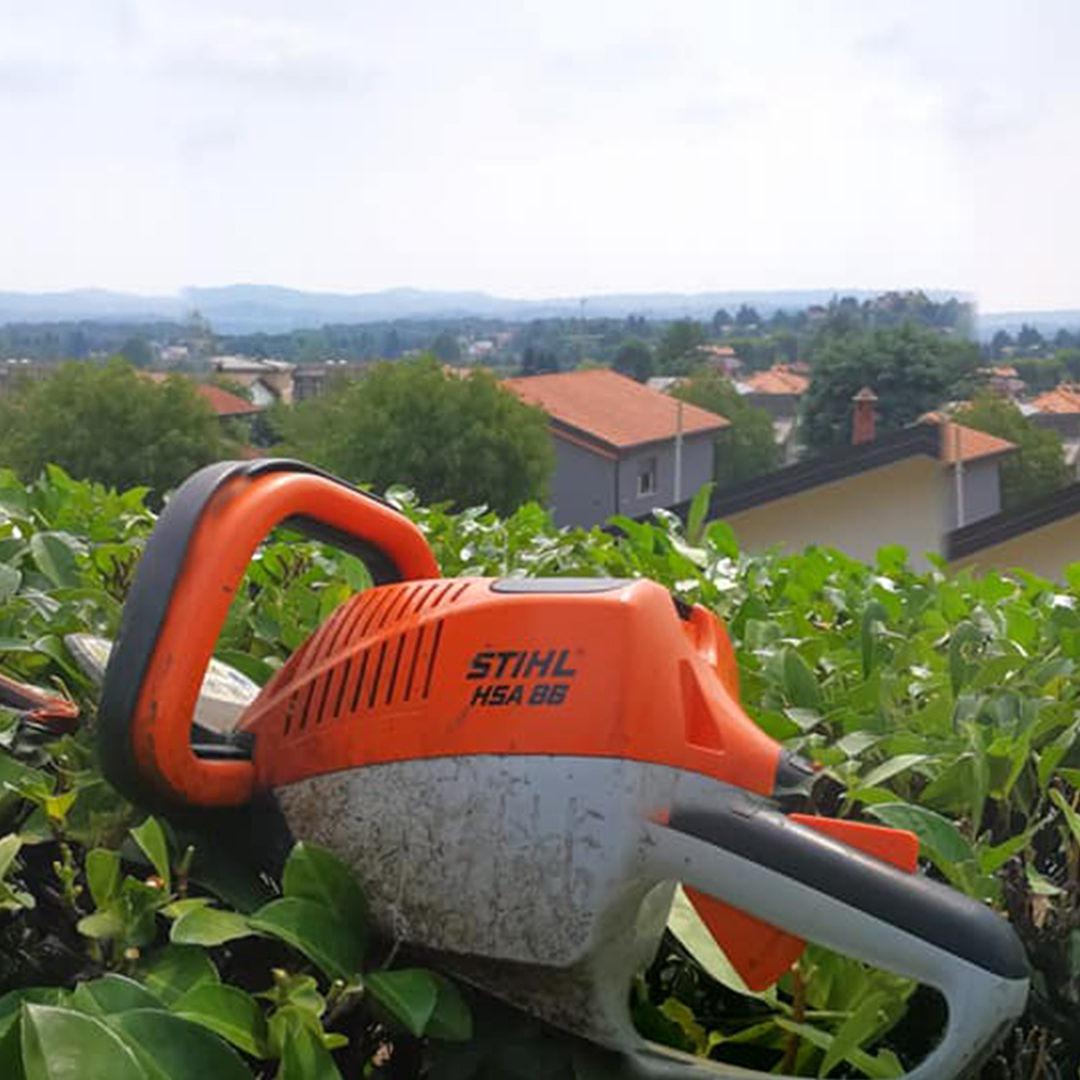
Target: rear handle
<point x="811" y="885"/>
<point x="186" y="580"/>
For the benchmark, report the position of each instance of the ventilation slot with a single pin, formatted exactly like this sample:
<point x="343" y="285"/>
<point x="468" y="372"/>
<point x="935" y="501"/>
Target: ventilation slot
<point x="346" y="671"/>
<point x="358" y="688"/>
<point x="432" y="659"/>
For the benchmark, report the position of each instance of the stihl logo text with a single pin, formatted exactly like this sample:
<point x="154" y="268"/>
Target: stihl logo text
<point x="504" y="667"/>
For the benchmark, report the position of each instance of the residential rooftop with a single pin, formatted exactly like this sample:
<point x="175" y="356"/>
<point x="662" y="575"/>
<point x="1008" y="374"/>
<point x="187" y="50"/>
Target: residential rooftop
<point x="612" y="408"/>
<point x="966" y="443"/>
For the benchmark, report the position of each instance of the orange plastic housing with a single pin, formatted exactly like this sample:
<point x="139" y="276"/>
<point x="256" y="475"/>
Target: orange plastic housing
<point x="456" y="667"/>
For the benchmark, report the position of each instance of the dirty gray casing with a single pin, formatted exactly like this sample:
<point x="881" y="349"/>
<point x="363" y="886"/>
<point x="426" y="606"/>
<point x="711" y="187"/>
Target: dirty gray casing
<point x="547" y="881"/>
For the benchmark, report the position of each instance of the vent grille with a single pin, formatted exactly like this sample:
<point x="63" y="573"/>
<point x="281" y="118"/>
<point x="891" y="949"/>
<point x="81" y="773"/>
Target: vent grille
<point x="395" y="670"/>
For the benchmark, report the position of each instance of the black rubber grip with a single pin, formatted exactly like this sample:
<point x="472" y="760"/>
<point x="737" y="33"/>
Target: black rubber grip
<point x="912" y="903"/>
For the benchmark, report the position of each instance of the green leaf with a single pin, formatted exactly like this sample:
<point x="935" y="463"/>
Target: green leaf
<point x="313" y="930"/>
<point x="1052" y="756"/>
<point x="112" y="994"/>
<point x="857" y="1029"/>
<point x="10" y="580"/>
<point x="409" y="995"/>
<point x="878" y="1067"/>
<point x="964" y="634"/>
<point x="55" y="558"/>
<point x="101" y="925"/>
<point x="312" y="873"/>
<point x="233" y="1014"/>
<point x="172" y="1048"/>
<point x="938" y="836"/>
<point x="208" y="927"/>
<point x="102" y="875"/>
<point x="304" y="1055"/>
<point x="12" y="1001"/>
<point x="175" y="970"/>
<point x="683" y="1015"/>
<point x="1071" y="817"/>
<point x="1039" y="885"/>
<point x="451" y="1019"/>
<point x="800" y="685"/>
<point x="11" y="1059"/>
<point x="9" y="849"/>
<point x="699" y="507"/>
<point x="893" y="767"/>
<point x="993" y="858"/>
<point x="873" y="614"/>
<point x="151" y="839"/>
<point x="62" y="1044"/>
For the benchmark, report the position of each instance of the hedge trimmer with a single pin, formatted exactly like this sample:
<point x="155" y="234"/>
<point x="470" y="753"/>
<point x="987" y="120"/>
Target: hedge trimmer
<point x="521" y="771"/>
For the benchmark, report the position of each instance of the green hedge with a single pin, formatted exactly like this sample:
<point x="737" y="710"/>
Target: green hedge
<point x="945" y="704"/>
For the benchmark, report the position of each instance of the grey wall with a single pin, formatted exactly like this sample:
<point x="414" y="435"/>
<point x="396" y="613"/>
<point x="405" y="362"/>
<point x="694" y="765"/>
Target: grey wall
<point x="697" y="469"/>
<point x="982" y="492"/>
<point x="583" y="486"/>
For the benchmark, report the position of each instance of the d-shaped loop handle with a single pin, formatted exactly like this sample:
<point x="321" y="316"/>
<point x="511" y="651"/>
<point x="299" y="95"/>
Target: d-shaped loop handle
<point x="186" y="580"/>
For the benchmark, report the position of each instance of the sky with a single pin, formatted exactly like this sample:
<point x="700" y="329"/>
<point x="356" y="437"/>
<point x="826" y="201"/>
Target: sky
<point x="542" y="149"/>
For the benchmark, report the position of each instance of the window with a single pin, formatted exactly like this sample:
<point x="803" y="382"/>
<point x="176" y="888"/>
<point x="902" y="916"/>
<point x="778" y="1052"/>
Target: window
<point x="646" y="481"/>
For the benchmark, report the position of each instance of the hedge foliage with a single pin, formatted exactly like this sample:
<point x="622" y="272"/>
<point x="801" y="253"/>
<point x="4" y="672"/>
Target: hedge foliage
<point x="945" y="704"/>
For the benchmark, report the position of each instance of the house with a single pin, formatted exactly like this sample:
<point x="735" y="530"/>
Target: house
<point x="13" y="369"/>
<point x="897" y="488"/>
<point x="620" y="448"/>
<point x="1041" y="537"/>
<point x="977" y="493"/>
<point x="720" y="358"/>
<point x="311" y="380"/>
<point x="779" y="390"/>
<point x="268" y="380"/>
<point x="225" y="405"/>
<point x="1003" y="379"/>
<point x="1058" y="410"/>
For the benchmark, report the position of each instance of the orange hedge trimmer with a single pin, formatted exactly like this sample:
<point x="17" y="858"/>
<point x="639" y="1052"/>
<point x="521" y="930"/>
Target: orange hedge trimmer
<point x="521" y="771"/>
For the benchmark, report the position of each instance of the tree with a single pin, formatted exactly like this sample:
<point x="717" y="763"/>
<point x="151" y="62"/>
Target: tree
<point x="721" y="320"/>
<point x="1029" y="339"/>
<point x="679" y="346"/>
<point x="1069" y="359"/>
<point x="536" y="361"/>
<point x="1038" y="467"/>
<point x="635" y="359"/>
<point x="461" y="439"/>
<point x="746" y="318"/>
<point x="137" y="351"/>
<point x="748" y="447"/>
<point x="447" y="348"/>
<point x="911" y="368"/>
<point x="1000" y="342"/>
<point x="108" y="423"/>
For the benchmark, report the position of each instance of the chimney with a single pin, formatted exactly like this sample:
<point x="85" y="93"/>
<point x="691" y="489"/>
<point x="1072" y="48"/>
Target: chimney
<point x="863" y="420"/>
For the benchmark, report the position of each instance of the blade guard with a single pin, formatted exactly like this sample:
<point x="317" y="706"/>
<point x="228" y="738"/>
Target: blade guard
<point x="761" y="953"/>
<point x="186" y="580"/>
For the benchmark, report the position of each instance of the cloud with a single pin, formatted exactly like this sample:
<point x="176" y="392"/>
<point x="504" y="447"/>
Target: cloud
<point x="266" y="55"/>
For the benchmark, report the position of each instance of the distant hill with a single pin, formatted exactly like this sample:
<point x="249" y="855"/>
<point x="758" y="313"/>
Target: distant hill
<point x="249" y="308"/>
<point x="1048" y="323"/>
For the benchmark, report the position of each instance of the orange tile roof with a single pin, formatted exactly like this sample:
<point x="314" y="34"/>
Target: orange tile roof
<point x="611" y="407"/>
<point x="223" y="403"/>
<point x="777" y="380"/>
<point x="974" y="445"/>
<point x="1062" y="399"/>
